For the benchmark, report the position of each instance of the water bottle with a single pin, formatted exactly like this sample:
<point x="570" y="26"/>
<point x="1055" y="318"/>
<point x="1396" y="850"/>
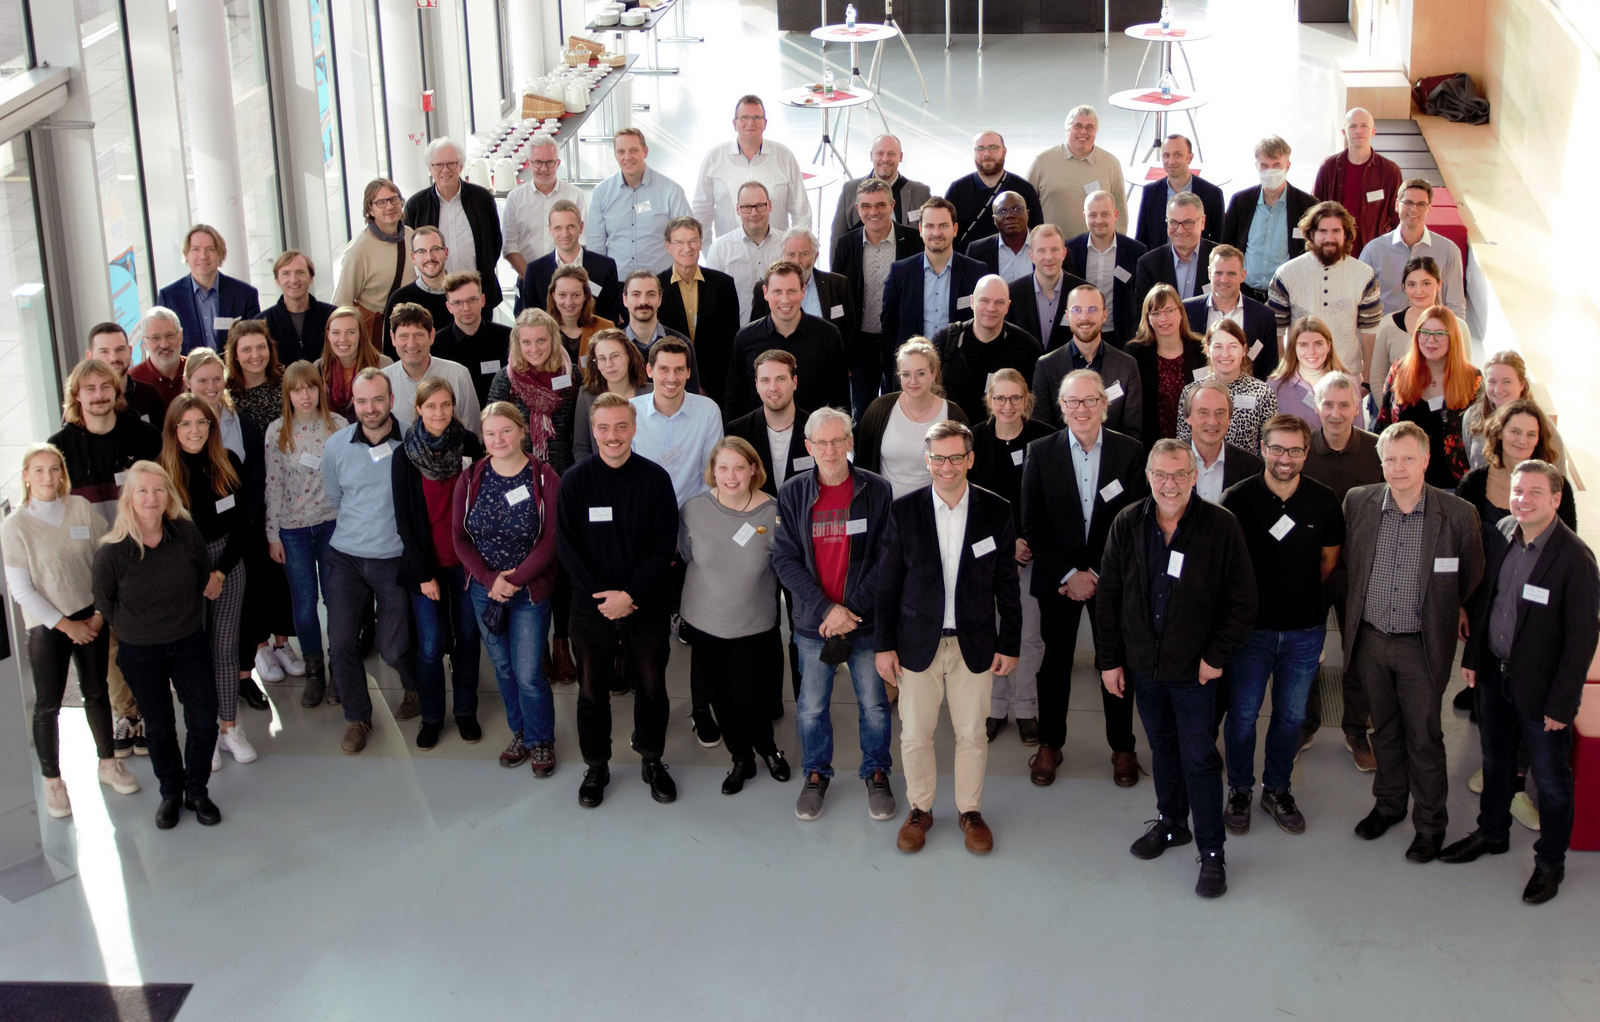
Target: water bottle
<point x="1166" y="85"/>
<point x="1166" y="16"/>
<point x="827" y="83"/>
<point x="850" y="16"/>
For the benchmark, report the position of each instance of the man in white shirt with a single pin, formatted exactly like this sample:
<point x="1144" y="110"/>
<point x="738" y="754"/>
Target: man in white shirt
<point x="745" y="254"/>
<point x="526" y="218"/>
<point x="749" y="157"/>
<point x="1064" y="174"/>
<point x="412" y="328"/>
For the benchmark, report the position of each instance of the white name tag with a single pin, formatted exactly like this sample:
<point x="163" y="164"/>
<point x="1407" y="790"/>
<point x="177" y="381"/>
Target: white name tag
<point x="1298" y="234"/>
<point x="1436" y="404"/>
<point x="489" y="367"/>
<point x="1529" y="592"/>
<point x="1255" y="351"/>
<point x="913" y="215"/>
<point x="670" y="455"/>
<point x="642" y="207"/>
<point x="1175" y="564"/>
<point x="119" y="477"/>
<point x="983" y="546"/>
<point x="1121" y="274"/>
<point x="964" y="302"/>
<point x="855" y="526"/>
<point x="379" y="452"/>
<point x="599" y="514"/>
<point x="594" y="288"/>
<point x="223" y="322"/>
<point x="1111" y="490"/>
<point x="1376" y="195"/>
<point x="145" y="419"/>
<point x="1091" y="187"/>
<point x="1114" y="391"/>
<point x="1446" y="564"/>
<point x="1281" y="527"/>
<point x="743" y="535"/>
<point x="561" y="382"/>
<point x="1016" y="457"/>
<point x="466" y="462"/>
<point x="82" y="532"/>
<point x="836" y="312"/>
<point x="225" y="503"/>
<point x="1244" y="402"/>
<point x="1205" y="289"/>
<point x="1201" y="373"/>
<point x="517" y="496"/>
<point x="807" y="462"/>
<point x="310" y="460"/>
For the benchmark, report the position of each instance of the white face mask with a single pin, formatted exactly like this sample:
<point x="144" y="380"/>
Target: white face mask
<point x="1272" y="178"/>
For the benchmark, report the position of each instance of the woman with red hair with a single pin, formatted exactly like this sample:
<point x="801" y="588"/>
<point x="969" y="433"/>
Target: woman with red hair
<point x="1432" y="385"/>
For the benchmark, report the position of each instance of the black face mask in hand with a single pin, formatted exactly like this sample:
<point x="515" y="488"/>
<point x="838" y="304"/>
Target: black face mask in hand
<point x="836" y="650"/>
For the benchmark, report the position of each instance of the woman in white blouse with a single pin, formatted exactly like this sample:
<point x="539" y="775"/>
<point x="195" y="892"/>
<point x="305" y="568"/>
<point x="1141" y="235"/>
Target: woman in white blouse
<point x="1253" y="401"/>
<point x="889" y="438"/>
<point x="49" y="545"/>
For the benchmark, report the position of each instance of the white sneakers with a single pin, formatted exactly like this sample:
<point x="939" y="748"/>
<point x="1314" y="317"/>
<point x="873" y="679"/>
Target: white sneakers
<point x="1524" y="811"/>
<point x="1475" y="782"/>
<point x="115" y="774"/>
<point x="289" y="660"/>
<point x="237" y="745"/>
<point x="267" y="667"/>
<point x="216" y="757"/>
<point x="56" y="802"/>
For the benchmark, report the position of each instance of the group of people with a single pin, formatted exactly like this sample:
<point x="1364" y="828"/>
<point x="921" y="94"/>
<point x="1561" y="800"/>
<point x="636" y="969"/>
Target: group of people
<point x="996" y="413"/>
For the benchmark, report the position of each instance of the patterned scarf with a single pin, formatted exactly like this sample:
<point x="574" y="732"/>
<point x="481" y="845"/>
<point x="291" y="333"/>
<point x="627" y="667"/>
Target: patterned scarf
<point x="436" y="457"/>
<point x="340" y="380"/>
<point x="532" y="388"/>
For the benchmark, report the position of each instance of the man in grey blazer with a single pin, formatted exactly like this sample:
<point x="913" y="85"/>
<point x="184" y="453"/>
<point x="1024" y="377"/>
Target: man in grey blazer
<point x="909" y="195"/>
<point x="1415" y="555"/>
<point x="1086" y="314"/>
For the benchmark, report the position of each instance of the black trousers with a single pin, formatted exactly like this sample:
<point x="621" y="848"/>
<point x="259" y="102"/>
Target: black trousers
<point x="866" y="372"/>
<point x="268" y="609"/>
<point x="1059" y="617"/>
<point x="640" y="643"/>
<point x="49" y="652"/>
<point x="739" y="673"/>
<point x="1407" y="739"/>
<point x="185" y="665"/>
<point x="1502" y="728"/>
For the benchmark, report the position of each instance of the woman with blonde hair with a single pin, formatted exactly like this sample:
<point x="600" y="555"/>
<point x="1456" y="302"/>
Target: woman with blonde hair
<point x="1432" y="385"/>
<point x="346" y="350"/>
<point x="151" y="574"/>
<point x="1228" y="360"/>
<point x="571" y="305"/>
<point x="538" y="380"/>
<point x="1505" y="379"/>
<point x="1168" y="353"/>
<point x="1308" y="356"/>
<point x="300" y="519"/>
<point x="49" y="544"/>
<point x="889" y="436"/>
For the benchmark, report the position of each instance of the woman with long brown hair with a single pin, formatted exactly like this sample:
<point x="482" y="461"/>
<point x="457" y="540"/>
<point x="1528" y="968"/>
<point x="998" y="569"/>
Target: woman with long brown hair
<point x="1168" y="353"/>
<point x="346" y="350"/>
<point x="254" y="374"/>
<point x="1308" y="356"/>
<point x="1432" y="385"/>
<point x="616" y="366"/>
<point x="571" y="304"/>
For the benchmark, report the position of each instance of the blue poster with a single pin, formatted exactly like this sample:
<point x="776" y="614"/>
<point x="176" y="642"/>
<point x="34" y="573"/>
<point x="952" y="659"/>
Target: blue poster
<point x="125" y="299"/>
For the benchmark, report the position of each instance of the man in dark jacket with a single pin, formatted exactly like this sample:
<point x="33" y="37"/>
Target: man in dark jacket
<point x="1039" y="298"/>
<point x="1535" y="621"/>
<point x="1109" y="261"/>
<point x="945" y="578"/>
<point x="832" y="521"/>
<point x="827" y="295"/>
<point x="207" y="300"/>
<point x="1278" y="206"/>
<point x="1176" y="156"/>
<point x="465" y="213"/>
<point x="818" y="350"/>
<point x="925" y="293"/>
<point x="700" y="303"/>
<point x="1087" y="348"/>
<point x="863" y="257"/>
<point x="298" y="323"/>
<point x="473" y="340"/>
<point x="1226" y="300"/>
<point x="566" y="230"/>
<point x="1177" y="597"/>
<point x="1184" y="261"/>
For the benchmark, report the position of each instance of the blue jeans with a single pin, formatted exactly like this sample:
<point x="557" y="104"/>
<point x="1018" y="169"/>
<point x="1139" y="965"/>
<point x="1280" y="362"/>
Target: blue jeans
<point x="518" y="658"/>
<point x="452" y="620"/>
<point x="305" y="563"/>
<point x="816" y="691"/>
<point x="1179" y="723"/>
<point x="1290" y="659"/>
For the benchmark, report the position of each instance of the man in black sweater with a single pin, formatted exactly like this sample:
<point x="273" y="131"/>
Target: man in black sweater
<point x="821" y="361"/>
<point x="428" y="256"/>
<point x="975" y="349"/>
<point x="617" y="529"/>
<point x="1177" y="596"/>
<point x="473" y="340"/>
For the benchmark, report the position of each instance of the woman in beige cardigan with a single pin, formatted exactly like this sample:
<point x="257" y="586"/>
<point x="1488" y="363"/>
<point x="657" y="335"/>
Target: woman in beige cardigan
<point x="377" y="263"/>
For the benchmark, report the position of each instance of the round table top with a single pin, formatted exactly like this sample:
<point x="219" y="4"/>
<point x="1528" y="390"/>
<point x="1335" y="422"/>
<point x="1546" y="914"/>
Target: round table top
<point x="1180" y="32"/>
<point x="1140" y="175"/>
<point x="818" y="175"/>
<point x="805" y="99"/>
<point x="864" y="32"/>
<point x="1131" y="99"/>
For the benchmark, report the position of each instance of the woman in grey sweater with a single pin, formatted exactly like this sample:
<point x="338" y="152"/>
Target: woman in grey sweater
<point x="730" y="600"/>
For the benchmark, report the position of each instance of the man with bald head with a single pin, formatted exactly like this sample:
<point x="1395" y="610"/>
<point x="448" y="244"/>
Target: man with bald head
<point x="527" y="218"/>
<point x="464" y="213"/>
<point x="1109" y="260"/>
<point x="1006" y="252"/>
<point x="1361" y="180"/>
<point x="1038" y="299"/>
<point x="1177" y="153"/>
<point x="975" y="194"/>
<point x="975" y="349"/>
<point x="1063" y="175"/>
<point x="908" y="195"/>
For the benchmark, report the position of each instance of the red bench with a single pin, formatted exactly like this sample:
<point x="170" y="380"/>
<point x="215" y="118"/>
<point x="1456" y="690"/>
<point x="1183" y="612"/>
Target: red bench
<point x="1586" y="766"/>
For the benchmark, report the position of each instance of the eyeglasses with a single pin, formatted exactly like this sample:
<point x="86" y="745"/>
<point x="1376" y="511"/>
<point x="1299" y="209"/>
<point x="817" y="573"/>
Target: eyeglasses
<point x="751" y="118"/>
<point x="546" y="164"/>
<point x="984" y="150"/>
<point x="830" y="445"/>
<point x="1084" y="310"/>
<point x="1006" y="399"/>
<point x="1293" y="452"/>
<point x="1433" y="335"/>
<point x="938" y="460"/>
<point x="755" y="207"/>
<point x="393" y="200"/>
<point x="437" y="250"/>
<point x="1413" y="204"/>
<point x="1072" y="404"/>
<point x="452" y="165"/>
<point x="1183" y="225"/>
<point x="1159" y="476"/>
<point x="463" y="303"/>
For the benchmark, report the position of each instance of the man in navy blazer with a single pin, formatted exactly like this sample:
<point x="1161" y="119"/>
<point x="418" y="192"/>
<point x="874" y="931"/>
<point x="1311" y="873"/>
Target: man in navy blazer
<point x="566" y="229"/>
<point x="1052" y="276"/>
<point x="1176" y="155"/>
<point x="869" y="361"/>
<point x="949" y="618"/>
<point x="207" y="301"/>
<point x="953" y="276"/>
<point x="1227" y="301"/>
<point x="1116" y="279"/>
<point x="1005" y="253"/>
<point x="1159" y="265"/>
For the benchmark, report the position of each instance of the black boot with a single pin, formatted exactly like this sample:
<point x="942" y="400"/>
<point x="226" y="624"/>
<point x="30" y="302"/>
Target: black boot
<point x="743" y="770"/>
<point x="251" y="695"/>
<point x="316" y="681"/>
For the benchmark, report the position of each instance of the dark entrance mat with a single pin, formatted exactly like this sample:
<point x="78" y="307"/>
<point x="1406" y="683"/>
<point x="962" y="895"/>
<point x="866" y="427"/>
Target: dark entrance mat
<point x="91" y="1002"/>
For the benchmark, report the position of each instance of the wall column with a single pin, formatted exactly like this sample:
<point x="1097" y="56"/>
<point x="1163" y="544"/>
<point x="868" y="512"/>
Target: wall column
<point x="213" y="138"/>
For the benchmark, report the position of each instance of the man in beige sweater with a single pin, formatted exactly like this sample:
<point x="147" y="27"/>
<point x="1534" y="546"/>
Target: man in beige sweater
<point x="375" y="264"/>
<point x="1064" y="174"/>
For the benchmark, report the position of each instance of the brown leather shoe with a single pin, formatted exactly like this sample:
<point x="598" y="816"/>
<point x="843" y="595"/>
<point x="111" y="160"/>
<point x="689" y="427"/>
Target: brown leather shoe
<point x="914" y="832"/>
<point x="980" y="840"/>
<point x="1125" y="768"/>
<point x="355" y="736"/>
<point x="1042" y="766"/>
<point x="410" y="707"/>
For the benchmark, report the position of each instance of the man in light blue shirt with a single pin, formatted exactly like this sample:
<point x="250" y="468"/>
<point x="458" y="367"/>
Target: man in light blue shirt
<point x="1388" y="254"/>
<point x="364" y="556"/>
<point x="935" y="297"/>
<point x="1268" y="247"/>
<point x="629" y="211"/>
<point x="1083" y="406"/>
<point x="676" y="429"/>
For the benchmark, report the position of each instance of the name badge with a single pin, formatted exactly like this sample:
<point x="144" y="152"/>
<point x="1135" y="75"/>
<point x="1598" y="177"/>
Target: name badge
<point x="1436" y="404"/>
<point x="466" y="462"/>
<point x="964" y="302"/>
<point x="1205" y="289"/>
<point x="1121" y="274"/>
<point x="1529" y="592"/>
<point x="82" y="532"/>
<point x="987" y="379"/>
<point x="489" y="367"/>
<point x="1201" y="373"/>
<point x="594" y="288"/>
<point x="145" y="419"/>
<point x="807" y="462"/>
<point x="1281" y="528"/>
<point x="836" y="312"/>
<point x="855" y="526"/>
<point x="1244" y="402"/>
<point x="517" y="496"/>
<point x="583" y="361"/>
<point x="913" y="215"/>
<point x="670" y="455"/>
<point x="642" y="207"/>
<point x="983" y="546"/>
<point x="1114" y="391"/>
<point x="1091" y="188"/>
<point x="743" y="535"/>
<point x="1175" y="564"/>
<point x="223" y="322"/>
<point x="561" y="382"/>
<point x="1016" y="457"/>
<point x="1255" y="351"/>
<point x="119" y="478"/>
<point x="310" y="460"/>
<point x="1111" y="490"/>
<point x="1376" y="195"/>
<point x="1444" y="565"/>
<point x="1298" y="234"/>
<point x="225" y="503"/>
<point x="600" y="514"/>
<point x="379" y="452"/>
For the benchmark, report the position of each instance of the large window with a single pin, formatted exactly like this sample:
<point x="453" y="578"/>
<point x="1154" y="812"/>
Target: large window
<point x="359" y="81"/>
<point x="29" y="388"/>
<point x="16" y="49"/>
<point x="325" y="72"/>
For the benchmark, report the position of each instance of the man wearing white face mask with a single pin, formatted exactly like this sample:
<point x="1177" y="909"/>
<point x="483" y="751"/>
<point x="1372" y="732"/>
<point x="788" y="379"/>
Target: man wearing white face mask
<point x="1263" y="221"/>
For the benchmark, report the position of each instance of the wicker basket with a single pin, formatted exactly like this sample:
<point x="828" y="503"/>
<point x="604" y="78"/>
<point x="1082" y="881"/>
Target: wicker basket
<point x="580" y="43"/>
<point x="538" y="107"/>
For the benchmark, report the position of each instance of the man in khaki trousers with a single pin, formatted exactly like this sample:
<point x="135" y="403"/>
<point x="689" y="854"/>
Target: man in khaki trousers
<point x="949" y="617"/>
